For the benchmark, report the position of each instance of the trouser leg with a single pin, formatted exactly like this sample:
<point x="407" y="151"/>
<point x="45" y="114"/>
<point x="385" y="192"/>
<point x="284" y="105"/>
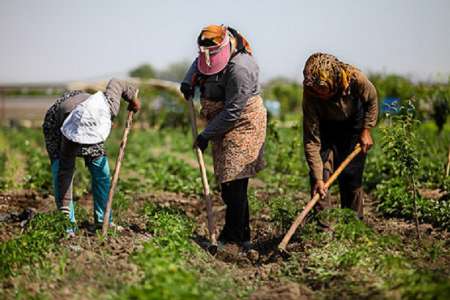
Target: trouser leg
<point x="327" y="159"/>
<point x="237" y="216"/>
<point x="57" y="194"/>
<point x="65" y="171"/>
<point x="350" y="185"/>
<point x="100" y="178"/>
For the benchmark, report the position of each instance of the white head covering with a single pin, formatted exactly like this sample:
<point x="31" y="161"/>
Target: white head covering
<point x="89" y="122"/>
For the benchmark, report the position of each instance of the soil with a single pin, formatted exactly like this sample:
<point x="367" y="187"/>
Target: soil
<point x="86" y="252"/>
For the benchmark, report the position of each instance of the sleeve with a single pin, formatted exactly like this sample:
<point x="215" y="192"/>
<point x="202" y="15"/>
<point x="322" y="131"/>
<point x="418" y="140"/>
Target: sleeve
<point x="237" y="92"/>
<point x="117" y="89"/>
<point x="311" y="137"/>
<point x="369" y="98"/>
<point x="190" y="73"/>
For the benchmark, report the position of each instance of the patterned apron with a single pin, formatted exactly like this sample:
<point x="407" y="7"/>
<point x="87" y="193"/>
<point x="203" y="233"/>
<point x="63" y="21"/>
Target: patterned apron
<point x="239" y="153"/>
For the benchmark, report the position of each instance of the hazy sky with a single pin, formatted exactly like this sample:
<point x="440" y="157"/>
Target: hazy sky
<point x="58" y="40"/>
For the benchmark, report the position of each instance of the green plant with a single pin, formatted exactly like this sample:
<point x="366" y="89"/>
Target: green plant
<point x="164" y="260"/>
<point x="41" y="236"/>
<point x="353" y="261"/>
<point x="400" y="145"/>
<point x="283" y="210"/>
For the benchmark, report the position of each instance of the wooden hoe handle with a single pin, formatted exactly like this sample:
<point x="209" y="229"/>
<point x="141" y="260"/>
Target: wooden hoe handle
<point x="313" y="201"/>
<point x="115" y="177"/>
<point x="201" y="164"/>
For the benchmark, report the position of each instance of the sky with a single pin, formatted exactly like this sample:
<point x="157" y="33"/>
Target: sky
<point x="61" y="40"/>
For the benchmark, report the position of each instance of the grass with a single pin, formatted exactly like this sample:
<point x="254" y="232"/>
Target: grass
<point x="353" y="261"/>
<point x="41" y="237"/>
<point x="166" y="261"/>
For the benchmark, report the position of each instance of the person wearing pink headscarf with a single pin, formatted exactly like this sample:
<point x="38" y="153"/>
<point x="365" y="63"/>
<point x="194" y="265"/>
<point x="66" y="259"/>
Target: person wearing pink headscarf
<point x="228" y="77"/>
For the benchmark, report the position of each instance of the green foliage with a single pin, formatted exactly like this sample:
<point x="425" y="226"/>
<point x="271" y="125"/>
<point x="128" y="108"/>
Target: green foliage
<point x="285" y="91"/>
<point x="354" y="262"/>
<point x="160" y="109"/>
<point x="395" y="200"/>
<point x="347" y="225"/>
<point x="351" y="262"/>
<point x="286" y="167"/>
<point x="38" y="169"/>
<point x="393" y="86"/>
<point x="144" y="71"/>
<point x="167" y="273"/>
<point x="407" y="160"/>
<point x="283" y="210"/>
<point x="40" y="237"/>
<point x="175" y="71"/>
<point x="172" y="266"/>
<point x="121" y="203"/>
<point x="256" y="205"/>
<point x="4" y="183"/>
<point x="402" y="88"/>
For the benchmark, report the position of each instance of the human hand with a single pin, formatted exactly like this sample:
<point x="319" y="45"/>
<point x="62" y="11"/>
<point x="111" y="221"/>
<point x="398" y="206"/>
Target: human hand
<point x="319" y="187"/>
<point x="365" y="140"/>
<point x="134" y="105"/>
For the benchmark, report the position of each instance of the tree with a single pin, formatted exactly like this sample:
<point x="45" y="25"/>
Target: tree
<point x="144" y="71"/>
<point x="287" y="92"/>
<point x="175" y="71"/>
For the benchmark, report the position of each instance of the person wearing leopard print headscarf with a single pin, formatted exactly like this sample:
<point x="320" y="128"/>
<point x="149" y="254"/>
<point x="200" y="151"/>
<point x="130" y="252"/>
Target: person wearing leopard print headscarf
<point x="340" y="107"/>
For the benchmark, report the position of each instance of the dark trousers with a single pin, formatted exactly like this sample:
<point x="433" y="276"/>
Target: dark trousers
<point x="237" y="217"/>
<point x="350" y="180"/>
<point x="338" y="140"/>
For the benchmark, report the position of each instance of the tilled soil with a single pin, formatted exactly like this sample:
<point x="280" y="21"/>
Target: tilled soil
<point x="87" y="259"/>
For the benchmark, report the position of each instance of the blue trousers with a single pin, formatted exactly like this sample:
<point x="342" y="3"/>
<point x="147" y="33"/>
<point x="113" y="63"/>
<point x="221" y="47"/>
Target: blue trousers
<point x="100" y="181"/>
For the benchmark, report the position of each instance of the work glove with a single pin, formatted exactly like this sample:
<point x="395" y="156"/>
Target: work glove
<point x="134" y="105"/>
<point x="187" y="90"/>
<point x="201" y="142"/>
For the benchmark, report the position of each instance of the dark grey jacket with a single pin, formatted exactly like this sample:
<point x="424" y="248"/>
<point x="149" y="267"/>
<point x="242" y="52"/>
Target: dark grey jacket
<point x="234" y="86"/>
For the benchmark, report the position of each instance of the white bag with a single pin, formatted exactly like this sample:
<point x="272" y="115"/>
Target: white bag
<point x="89" y="122"/>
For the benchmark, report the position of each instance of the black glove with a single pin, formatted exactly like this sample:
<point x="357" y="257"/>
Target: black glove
<point x="201" y="142"/>
<point x="187" y="90"/>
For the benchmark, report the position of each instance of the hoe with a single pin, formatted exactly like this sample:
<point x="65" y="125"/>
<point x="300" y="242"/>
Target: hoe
<point x="212" y="247"/>
<point x="313" y="201"/>
<point x="115" y="177"/>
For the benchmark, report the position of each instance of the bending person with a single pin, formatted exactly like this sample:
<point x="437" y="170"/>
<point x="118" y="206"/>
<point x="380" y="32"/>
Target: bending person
<point x="77" y="124"/>
<point x="340" y="107"/>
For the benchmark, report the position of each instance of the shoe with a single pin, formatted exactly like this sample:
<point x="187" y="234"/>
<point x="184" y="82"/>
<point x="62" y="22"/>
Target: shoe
<point x="112" y="226"/>
<point x="70" y="233"/>
<point x="246" y="246"/>
<point x="116" y="227"/>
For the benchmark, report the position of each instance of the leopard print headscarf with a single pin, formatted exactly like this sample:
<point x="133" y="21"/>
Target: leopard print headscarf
<point x="325" y="68"/>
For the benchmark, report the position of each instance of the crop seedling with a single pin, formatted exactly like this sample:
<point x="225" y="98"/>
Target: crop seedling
<point x="41" y="236"/>
<point x="400" y="144"/>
